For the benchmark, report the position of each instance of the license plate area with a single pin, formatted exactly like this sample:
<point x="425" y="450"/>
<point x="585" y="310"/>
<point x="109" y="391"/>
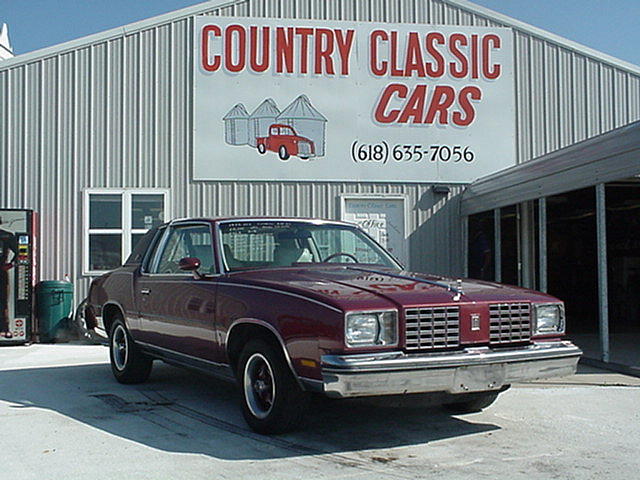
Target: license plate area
<point x="478" y="378"/>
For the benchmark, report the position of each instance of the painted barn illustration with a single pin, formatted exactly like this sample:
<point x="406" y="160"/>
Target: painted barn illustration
<point x="236" y="126"/>
<point x="307" y="121"/>
<point x="298" y="130"/>
<point x="261" y="119"/>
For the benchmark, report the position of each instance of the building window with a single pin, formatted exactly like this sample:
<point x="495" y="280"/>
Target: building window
<point x="115" y="220"/>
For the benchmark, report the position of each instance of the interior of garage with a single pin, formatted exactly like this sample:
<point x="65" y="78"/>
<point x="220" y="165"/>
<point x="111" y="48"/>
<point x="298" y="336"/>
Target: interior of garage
<point x="567" y="223"/>
<point x="623" y="253"/>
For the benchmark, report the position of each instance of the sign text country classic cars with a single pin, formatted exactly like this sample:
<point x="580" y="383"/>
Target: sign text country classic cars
<point x="309" y="100"/>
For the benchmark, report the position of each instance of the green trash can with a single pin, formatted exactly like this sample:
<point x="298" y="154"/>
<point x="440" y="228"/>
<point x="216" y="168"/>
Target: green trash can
<point x="54" y="304"/>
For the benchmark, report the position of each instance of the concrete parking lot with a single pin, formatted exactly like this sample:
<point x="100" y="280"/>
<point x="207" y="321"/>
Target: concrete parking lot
<point x="64" y="416"/>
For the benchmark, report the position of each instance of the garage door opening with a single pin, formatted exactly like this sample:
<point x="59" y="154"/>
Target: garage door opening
<point x="623" y="256"/>
<point x="572" y="250"/>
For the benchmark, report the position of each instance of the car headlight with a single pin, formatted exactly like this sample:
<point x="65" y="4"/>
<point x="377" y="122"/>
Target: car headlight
<point x="364" y="329"/>
<point x="549" y="318"/>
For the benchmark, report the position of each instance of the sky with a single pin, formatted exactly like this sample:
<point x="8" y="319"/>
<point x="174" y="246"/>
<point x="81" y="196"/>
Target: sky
<point x="610" y="26"/>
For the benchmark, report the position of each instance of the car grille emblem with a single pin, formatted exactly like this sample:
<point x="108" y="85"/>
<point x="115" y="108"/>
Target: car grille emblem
<point x="475" y="321"/>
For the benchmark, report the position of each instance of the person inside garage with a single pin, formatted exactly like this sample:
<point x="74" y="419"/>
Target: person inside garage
<point x="8" y="244"/>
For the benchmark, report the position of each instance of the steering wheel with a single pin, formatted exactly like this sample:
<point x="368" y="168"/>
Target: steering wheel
<point x="340" y="254"/>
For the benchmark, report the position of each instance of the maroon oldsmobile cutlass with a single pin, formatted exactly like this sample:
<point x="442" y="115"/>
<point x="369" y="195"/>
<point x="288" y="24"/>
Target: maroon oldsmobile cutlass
<point x="288" y="307"/>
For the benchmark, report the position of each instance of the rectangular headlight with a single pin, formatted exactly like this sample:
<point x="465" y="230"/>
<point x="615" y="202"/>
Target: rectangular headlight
<point x="548" y="318"/>
<point x="364" y="329"/>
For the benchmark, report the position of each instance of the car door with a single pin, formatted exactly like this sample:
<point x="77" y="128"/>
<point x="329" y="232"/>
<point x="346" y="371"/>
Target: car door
<point x="177" y="310"/>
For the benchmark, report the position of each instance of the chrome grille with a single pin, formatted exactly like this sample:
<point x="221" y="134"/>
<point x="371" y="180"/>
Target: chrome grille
<point x="509" y="322"/>
<point x="304" y="148"/>
<point x="432" y="327"/>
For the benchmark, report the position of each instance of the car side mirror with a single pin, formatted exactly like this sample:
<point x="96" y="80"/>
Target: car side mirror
<point x="190" y="264"/>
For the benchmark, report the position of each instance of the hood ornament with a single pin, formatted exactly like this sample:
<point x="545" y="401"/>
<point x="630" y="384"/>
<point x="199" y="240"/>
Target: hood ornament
<point x="458" y="290"/>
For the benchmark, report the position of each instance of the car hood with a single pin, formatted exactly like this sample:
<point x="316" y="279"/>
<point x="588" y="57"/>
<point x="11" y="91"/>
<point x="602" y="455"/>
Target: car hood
<point x="374" y="287"/>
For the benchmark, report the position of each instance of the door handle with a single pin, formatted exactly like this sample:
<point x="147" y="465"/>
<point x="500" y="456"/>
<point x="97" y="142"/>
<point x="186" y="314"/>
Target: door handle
<point x="145" y="291"/>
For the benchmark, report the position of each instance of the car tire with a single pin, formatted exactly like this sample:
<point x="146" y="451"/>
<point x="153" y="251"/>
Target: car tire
<point x="128" y="364"/>
<point x="272" y="401"/>
<point x="472" y="402"/>
<point x="283" y="153"/>
<point x="262" y="149"/>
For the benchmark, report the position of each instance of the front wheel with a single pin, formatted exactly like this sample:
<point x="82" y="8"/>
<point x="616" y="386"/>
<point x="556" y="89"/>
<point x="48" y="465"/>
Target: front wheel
<point x="472" y="402"/>
<point x="272" y="401"/>
<point x="283" y="153"/>
<point x="128" y="363"/>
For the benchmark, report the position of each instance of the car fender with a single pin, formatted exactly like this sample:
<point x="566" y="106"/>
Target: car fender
<point x="117" y="305"/>
<point x="274" y="331"/>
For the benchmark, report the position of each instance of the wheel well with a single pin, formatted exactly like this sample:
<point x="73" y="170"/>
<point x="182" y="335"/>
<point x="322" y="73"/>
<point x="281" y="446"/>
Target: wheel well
<point x="241" y="334"/>
<point x="109" y="314"/>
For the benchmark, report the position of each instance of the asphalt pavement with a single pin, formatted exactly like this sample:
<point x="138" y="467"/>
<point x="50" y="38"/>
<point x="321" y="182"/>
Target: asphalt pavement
<point x="63" y="416"/>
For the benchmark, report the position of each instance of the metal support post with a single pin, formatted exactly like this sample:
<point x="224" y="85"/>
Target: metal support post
<point x="542" y="244"/>
<point x="465" y="246"/>
<point x="497" y="245"/>
<point x="601" y="219"/>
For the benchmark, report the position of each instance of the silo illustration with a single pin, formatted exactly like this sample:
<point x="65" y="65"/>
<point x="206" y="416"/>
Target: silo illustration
<point x="306" y="121"/>
<point x="236" y="126"/>
<point x="261" y="119"/>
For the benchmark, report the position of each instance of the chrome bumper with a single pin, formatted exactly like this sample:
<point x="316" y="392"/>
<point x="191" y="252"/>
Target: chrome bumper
<point x="472" y="370"/>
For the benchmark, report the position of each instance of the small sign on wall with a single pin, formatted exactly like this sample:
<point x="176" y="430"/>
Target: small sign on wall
<point x="383" y="217"/>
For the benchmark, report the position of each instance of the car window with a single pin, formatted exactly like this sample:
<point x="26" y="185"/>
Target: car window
<point x="266" y="244"/>
<point x="186" y="241"/>
<point x="138" y="253"/>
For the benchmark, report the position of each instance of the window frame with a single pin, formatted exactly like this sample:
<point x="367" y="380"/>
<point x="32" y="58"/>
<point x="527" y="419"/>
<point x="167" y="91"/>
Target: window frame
<point x="126" y="231"/>
<point x="161" y="244"/>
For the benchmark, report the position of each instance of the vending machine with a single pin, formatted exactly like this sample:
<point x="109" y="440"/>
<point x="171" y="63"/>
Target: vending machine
<point x="18" y="272"/>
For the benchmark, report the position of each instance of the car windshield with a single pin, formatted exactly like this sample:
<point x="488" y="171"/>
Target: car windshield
<point x="265" y="244"/>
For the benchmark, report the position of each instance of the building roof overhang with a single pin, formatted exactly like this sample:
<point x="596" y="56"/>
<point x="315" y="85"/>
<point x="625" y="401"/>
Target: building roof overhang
<point x="611" y="156"/>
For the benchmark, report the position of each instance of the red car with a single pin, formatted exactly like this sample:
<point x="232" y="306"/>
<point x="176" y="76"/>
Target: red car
<point x="290" y="307"/>
<point x="284" y="140"/>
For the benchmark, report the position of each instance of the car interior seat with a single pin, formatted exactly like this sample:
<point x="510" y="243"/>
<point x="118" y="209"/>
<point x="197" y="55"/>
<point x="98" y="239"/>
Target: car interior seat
<point x="229" y="258"/>
<point x="286" y="252"/>
<point x="205" y="254"/>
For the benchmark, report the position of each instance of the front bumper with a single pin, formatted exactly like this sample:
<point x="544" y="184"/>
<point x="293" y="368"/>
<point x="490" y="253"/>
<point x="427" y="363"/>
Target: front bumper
<point x="471" y="370"/>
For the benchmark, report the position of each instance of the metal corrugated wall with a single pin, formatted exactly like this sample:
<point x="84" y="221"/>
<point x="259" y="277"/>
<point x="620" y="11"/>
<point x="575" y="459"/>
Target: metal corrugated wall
<point x="117" y="113"/>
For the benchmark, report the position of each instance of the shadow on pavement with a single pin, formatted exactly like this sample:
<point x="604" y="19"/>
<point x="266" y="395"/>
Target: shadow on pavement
<point x="181" y="411"/>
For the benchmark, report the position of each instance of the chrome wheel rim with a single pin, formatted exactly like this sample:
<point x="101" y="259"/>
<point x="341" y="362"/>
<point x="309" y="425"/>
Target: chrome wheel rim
<point x="120" y="347"/>
<point x="259" y="386"/>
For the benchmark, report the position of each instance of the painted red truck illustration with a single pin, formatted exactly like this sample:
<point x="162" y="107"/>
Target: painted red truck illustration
<point x="284" y="140"/>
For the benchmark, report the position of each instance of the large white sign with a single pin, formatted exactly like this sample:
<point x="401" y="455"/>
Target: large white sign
<point x="308" y="100"/>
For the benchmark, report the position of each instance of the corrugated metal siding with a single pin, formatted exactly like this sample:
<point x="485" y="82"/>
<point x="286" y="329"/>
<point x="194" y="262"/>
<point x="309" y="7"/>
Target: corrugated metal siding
<point x="114" y="113"/>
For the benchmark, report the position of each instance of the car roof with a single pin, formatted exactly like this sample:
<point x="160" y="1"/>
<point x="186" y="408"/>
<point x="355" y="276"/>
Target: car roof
<point x="258" y="219"/>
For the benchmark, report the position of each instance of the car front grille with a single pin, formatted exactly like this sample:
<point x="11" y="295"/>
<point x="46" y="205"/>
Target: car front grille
<point x="304" y="148"/>
<point x="432" y="327"/>
<point x="509" y="322"/>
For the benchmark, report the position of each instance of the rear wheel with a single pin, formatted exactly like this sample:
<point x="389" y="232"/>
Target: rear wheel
<point x="283" y="153"/>
<point x="128" y="363"/>
<point x="262" y="149"/>
<point x="272" y="401"/>
<point x="472" y="402"/>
